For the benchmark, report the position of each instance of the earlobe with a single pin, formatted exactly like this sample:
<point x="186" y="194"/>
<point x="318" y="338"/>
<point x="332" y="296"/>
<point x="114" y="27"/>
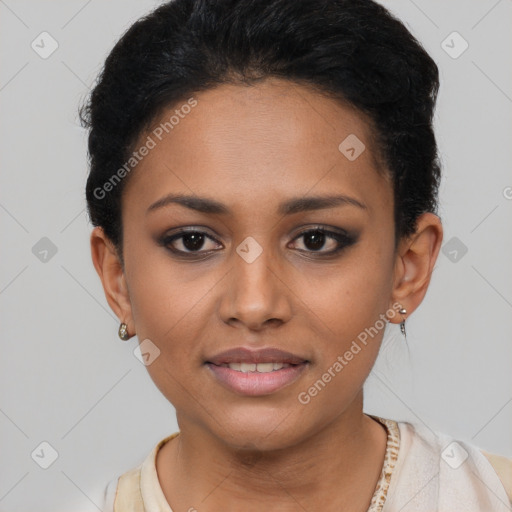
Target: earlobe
<point x="415" y="260"/>
<point x="109" y="268"/>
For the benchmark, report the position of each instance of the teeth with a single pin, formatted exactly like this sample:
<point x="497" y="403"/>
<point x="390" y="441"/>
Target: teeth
<point x="265" y="367"/>
<point x="247" y="367"/>
<point x="253" y="367"/>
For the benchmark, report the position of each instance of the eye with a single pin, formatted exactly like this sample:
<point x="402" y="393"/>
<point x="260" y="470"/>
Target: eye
<point x="314" y="239"/>
<point x="188" y="241"/>
<point x="193" y="241"/>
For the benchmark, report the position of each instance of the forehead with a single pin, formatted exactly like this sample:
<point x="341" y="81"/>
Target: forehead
<point x="272" y="139"/>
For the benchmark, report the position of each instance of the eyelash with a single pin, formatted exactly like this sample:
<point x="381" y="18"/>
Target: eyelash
<point x="344" y="240"/>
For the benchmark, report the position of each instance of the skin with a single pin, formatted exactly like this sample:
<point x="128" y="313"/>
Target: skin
<point x="252" y="148"/>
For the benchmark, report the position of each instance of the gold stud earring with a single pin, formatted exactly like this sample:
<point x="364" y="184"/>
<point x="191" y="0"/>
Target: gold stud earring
<point x="123" y="332"/>
<point x="403" y="312"/>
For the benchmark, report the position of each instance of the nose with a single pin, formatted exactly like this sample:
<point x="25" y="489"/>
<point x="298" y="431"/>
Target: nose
<point x="256" y="294"/>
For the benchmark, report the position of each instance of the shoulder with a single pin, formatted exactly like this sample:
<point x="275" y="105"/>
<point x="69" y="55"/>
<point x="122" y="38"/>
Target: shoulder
<point x="109" y="495"/>
<point x="459" y="466"/>
<point x="125" y="492"/>
<point x="503" y="467"/>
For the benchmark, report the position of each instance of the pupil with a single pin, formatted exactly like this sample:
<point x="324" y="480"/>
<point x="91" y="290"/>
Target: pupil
<point x="193" y="241"/>
<point x="317" y="239"/>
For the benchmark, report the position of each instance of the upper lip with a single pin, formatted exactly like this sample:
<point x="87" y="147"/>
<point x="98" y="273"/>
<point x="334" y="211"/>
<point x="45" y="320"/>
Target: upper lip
<point x="246" y="355"/>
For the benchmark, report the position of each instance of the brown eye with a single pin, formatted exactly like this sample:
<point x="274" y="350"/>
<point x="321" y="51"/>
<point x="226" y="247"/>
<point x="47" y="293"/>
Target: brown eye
<point x="190" y="241"/>
<point x="314" y="240"/>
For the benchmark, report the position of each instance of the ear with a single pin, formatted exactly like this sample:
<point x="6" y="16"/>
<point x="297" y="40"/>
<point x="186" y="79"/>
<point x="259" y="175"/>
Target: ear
<point x="110" y="269"/>
<point x="415" y="259"/>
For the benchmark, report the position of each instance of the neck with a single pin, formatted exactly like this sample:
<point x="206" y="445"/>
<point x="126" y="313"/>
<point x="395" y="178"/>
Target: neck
<point x="338" y="466"/>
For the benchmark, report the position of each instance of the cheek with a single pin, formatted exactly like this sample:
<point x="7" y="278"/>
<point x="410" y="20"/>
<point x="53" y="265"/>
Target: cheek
<point x="165" y="296"/>
<point x="169" y="310"/>
<point x="352" y="296"/>
<point x="349" y="311"/>
<point x="172" y="308"/>
<point x="350" y="325"/>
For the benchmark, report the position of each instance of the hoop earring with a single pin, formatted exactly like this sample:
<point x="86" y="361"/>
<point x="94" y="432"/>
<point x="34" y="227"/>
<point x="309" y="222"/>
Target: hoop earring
<point x="123" y="332"/>
<point x="403" y="311"/>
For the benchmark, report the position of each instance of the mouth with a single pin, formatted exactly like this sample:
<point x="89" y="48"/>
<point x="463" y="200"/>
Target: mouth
<point x="256" y="372"/>
<point x="255" y="367"/>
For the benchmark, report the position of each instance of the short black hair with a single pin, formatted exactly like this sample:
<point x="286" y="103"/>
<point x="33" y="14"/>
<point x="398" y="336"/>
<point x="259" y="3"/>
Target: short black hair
<point x="355" y="51"/>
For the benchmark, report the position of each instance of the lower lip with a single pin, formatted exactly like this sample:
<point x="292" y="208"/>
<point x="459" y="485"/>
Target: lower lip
<point x="255" y="383"/>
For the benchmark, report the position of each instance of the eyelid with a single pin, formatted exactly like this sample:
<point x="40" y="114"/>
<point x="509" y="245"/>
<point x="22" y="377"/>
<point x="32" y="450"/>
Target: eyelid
<point x="193" y="229"/>
<point x="324" y="229"/>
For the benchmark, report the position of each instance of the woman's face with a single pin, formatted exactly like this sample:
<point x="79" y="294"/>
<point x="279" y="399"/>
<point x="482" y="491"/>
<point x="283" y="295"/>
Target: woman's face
<point x="248" y="276"/>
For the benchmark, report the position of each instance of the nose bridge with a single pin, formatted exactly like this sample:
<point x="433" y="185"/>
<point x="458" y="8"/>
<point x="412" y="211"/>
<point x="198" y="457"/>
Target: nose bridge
<point x="252" y="269"/>
<point x="256" y="294"/>
<point x="253" y="263"/>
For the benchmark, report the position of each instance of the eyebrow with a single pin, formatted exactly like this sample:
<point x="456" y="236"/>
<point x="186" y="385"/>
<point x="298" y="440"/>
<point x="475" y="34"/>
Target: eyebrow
<point x="288" y="207"/>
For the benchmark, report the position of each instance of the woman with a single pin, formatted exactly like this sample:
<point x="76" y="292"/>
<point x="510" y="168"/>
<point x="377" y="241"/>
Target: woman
<point x="263" y="187"/>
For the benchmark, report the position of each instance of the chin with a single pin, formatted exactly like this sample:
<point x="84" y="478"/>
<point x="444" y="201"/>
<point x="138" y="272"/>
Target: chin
<point x="262" y="428"/>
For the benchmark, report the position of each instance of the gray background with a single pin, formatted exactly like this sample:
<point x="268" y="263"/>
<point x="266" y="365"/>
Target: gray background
<point x="68" y="380"/>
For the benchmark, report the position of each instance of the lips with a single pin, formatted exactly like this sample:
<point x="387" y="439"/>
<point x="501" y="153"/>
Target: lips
<point x="261" y="356"/>
<point x="256" y="372"/>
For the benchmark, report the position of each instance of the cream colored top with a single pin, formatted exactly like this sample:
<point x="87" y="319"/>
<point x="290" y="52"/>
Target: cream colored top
<point x="423" y="471"/>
